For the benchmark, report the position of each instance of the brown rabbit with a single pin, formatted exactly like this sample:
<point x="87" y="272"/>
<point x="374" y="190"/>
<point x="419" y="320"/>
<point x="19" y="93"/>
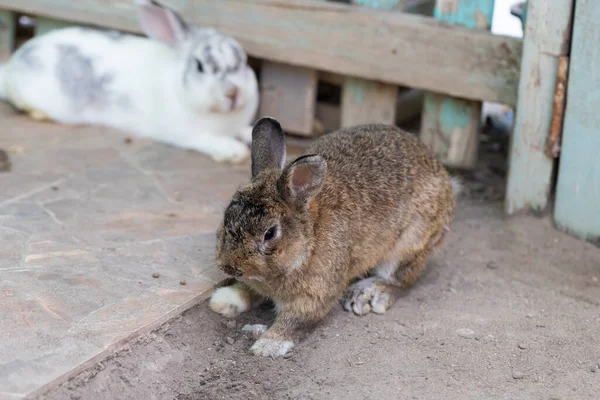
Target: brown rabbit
<point x="367" y="202"/>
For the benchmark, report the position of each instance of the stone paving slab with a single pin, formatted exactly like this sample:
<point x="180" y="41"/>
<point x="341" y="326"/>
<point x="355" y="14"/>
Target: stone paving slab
<point x="86" y="219"/>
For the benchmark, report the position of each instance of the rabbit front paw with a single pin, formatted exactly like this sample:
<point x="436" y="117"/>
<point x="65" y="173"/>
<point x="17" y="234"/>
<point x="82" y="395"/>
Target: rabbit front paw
<point x="271" y="347"/>
<point x="235" y="152"/>
<point x="230" y="301"/>
<point x="245" y="134"/>
<point x="366" y="295"/>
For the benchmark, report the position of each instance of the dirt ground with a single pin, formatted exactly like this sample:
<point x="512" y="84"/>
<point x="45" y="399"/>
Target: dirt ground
<point x="508" y="309"/>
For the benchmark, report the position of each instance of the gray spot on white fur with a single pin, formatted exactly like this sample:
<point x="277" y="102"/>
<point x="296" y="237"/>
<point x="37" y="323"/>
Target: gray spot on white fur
<point x="28" y="55"/>
<point x="238" y="59"/>
<point x="80" y="82"/>
<point x="209" y="59"/>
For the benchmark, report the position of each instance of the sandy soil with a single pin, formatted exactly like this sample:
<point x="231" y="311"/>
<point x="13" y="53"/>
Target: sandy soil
<point x="508" y="309"/>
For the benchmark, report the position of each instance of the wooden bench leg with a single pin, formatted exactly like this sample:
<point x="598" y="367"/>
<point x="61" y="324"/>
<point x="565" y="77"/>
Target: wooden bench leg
<point x="289" y="94"/>
<point x="8" y="24"/>
<point x="450" y="126"/>
<point x="368" y="102"/>
<point x="373" y="102"/>
<point x="578" y="189"/>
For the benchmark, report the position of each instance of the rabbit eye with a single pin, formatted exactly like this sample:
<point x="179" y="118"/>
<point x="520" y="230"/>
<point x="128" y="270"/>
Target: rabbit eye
<point x="199" y="66"/>
<point x="270" y="233"/>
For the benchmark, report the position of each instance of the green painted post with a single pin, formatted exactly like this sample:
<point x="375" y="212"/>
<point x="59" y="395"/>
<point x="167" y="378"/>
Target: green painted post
<point x="577" y="207"/>
<point x="7" y="34"/>
<point x="546" y="40"/>
<point x="449" y="125"/>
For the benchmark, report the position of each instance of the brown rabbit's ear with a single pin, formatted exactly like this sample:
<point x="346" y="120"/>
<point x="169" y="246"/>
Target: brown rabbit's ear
<point x="302" y="180"/>
<point x="268" y="145"/>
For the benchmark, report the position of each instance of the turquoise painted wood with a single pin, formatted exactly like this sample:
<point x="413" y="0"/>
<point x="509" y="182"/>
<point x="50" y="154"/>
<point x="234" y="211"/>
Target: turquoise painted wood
<point x="7" y="34"/>
<point x="578" y="189"/>
<point x="449" y="125"/>
<point x="530" y="169"/>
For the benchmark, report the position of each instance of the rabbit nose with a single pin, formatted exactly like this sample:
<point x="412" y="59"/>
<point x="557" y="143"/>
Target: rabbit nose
<point x="231" y="93"/>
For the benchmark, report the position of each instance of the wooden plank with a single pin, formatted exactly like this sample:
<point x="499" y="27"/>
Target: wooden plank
<point x="418" y="51"/>
<point x="577" y="207"/>
<point x="7" y="34"/>
<point x="408" y="107"/>
<point x="368" y="102"/>
<point x="289" y="94"/>
<point x="451" y="126"/>
<point x="45" y="25"/>
<point x="530" y="169"/>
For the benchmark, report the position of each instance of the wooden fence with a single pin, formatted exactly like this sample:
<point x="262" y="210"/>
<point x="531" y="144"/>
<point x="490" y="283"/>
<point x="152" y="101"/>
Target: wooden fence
<point x="373" y="50"/>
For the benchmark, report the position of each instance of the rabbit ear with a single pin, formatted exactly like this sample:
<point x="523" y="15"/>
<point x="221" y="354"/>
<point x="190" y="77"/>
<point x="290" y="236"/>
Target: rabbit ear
<point x="161" y="23"/>
<point x="268" y="145"/>
<point x="302" y="180"/>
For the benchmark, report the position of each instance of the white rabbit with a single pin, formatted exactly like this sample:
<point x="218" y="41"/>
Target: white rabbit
<point x="188" y="87"/>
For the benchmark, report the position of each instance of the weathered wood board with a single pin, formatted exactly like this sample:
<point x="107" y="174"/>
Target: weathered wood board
<point x="577" y="207"/>
<point x="289" y="94"/>
<point x="366" y="102"/>
<point x="418" y="52"/>
<point x="7" y="34"/>
<point x="45" y="25"/>
<point x="450" y="126"/>
<point x="546" y="38"/>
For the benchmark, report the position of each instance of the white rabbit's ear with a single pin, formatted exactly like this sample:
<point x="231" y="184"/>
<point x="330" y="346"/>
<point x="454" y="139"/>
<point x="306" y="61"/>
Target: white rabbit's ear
<point x="161" y="23"/>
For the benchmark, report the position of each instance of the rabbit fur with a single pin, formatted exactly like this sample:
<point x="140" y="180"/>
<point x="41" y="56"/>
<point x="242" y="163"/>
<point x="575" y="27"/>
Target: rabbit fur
<point x="184" y="86"/>
<point x="369" y="203"/>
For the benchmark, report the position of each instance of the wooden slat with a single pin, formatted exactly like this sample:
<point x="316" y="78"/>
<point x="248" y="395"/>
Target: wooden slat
<point x="7" y="34"/>
<point x="45" y="25"/>
<point x="368" y="102"/>
<point x="289" y="94"/>
<point x="451" y="126"/>
<point x="417" y="51"/>
<point x="578" y="190"/>
<point x="530" y="169"/>
<point x="365" y="101"/>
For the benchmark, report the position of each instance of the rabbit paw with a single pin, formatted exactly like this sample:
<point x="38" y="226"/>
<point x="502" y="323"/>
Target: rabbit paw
<point x="235" y="152"/>
<point x="245" y="134"/>
<point x="367" y="295"/>
<point x="255" y="330"/>
<point x="37" y="115"/>
<point x="230" y="301"/>
<point x="271" y="347"/>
